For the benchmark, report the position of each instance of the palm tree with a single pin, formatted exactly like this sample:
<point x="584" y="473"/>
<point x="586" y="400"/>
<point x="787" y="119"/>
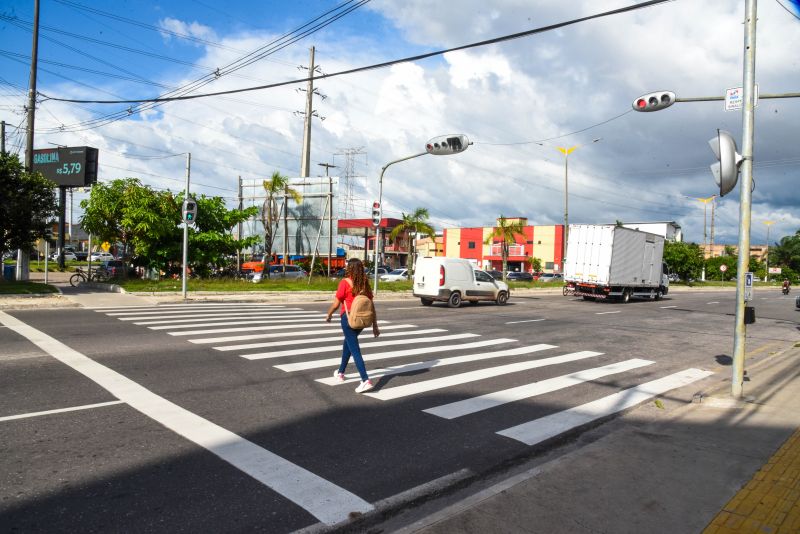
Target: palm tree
<point x="414" y="223"/>
<point x="269" y="213"/>
<point x="507" y="233"/>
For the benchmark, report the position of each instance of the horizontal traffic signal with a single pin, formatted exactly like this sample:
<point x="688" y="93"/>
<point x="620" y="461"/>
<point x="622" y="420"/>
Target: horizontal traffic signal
<point x="447" y="144"/>
<point x="654" y="101"/>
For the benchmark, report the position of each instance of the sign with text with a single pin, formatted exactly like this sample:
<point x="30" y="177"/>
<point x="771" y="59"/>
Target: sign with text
<point x="67" y="166"/>
<point x="774" y="270"/>
<point x="734" y="97"/>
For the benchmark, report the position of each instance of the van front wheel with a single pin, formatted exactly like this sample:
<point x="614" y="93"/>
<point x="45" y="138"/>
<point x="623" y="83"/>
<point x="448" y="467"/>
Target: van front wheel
<point x="455" y="299"/>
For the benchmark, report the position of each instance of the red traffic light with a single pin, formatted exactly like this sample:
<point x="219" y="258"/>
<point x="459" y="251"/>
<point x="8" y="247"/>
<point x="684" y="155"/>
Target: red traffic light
<point x="654" y="101"/>
<point x="376" y="205"/>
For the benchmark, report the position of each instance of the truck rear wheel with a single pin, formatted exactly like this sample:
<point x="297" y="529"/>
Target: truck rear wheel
<point x="455" y="299"/>
<point x="626" y="296"/>
<point x="659" y="294"/>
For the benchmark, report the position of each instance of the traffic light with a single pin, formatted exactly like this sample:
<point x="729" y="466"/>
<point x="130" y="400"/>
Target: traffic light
<point x="726" y="169"/>
<point x="189" y="210"/>
<point x="376" y="213"/>
<point x="447" y="144"/>
<point x="654" y="101"/>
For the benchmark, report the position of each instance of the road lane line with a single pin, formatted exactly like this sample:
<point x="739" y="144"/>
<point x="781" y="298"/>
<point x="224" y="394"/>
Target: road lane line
<point x="713" y="302"/>
<point x="408" y="308"/>
<point x="301" y="319"/>
<point x="253" y="328"/>
<point x="498" y="398"/>
<point x="173" y="311"/>
<point x="544" y="428"/>
<point x="430" y="364"/>
<point x="368" y="344"/>
<point x="306" y="341"/>
<point x="289" y="333"/>
<point x="472" y="376"/>
<point x="528" y="321"/>
<point x="60" y="410"/>
<point x="104" y="309"/>
<point x="606" y="313"/>
<point x="331" y="362"/>
<point x="324" y="500"/>
<point x="667" y="307"/>
<point x="208" y="316"/>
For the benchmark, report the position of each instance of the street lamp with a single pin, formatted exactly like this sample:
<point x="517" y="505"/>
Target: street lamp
<point x="443" y="145"/>
<point x="567" y="152"/>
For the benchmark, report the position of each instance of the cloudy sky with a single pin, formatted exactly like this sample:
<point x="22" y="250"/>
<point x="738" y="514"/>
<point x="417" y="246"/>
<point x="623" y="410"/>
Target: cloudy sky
<point x="517" y="101"/>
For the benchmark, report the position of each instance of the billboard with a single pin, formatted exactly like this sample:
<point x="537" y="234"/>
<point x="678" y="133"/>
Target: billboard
<point x="67" y="166"/>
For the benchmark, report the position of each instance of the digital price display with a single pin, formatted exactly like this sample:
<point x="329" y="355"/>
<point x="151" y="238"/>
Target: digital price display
<point x="67" y="166"/>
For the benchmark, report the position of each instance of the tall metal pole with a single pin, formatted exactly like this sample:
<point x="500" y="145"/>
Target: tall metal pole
<point x="239" y="229"/>
<point x="766" y="276"/>
<point x="566" y="152"/>
<point x="186" y="228"/>
<point x="306" y="157"/>
<point x="2" y="137"/>
<point x="745" y="190"/>
<point x="330" y="219"/>
<point x="23" y="255"/>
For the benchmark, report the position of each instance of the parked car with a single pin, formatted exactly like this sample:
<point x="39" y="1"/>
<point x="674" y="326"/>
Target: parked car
<point x="398" y="275"/>
<point x="81" y="255"/>
<point x="551" y="277"/>
<point x="381" y="271"/>
<point x="101" y="256"/>
<point x="339" y="274"/>
<point x="68" y="256"/>
<point x="520" y="276"/>
<point x="276" y="271"/>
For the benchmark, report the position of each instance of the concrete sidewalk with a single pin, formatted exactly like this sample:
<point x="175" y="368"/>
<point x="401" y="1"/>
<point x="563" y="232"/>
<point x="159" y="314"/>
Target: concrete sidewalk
<point x="711" y="466"/>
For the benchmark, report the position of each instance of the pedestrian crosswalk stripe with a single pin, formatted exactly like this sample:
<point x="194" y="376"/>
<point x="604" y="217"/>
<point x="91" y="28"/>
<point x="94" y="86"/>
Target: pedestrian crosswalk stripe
<point x="366" y="345"/>
<point x="158" y="311"/>
<point x="305" y="341"/>
<point x="288" y="333"/>
<point x="330" y="362"/>
<point x="107" y="309"/>
<point x="410" y="367"/>
<point x="252" y="328"/>
<point x="497" y="398"/>
<point x="199" y="317"/>
<point x="311" y="318"/>
<point x="471" y="376"/>
<point x="544" y="428"/>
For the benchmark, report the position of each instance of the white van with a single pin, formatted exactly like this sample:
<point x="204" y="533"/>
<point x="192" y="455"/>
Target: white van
<point x="453" y="280"/>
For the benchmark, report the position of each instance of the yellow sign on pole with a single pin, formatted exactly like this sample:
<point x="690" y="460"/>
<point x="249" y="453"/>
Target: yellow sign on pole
<point x="105" y="246"/>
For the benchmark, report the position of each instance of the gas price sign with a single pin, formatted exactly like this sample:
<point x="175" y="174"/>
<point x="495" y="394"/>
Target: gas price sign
<point x="67" y="166"/>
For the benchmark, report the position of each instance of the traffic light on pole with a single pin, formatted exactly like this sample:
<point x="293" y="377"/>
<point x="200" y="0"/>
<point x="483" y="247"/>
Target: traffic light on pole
<point x="447" y="144"/>
<point x="654" y="101"/>
<point x="726" y="169"/>
<point x="376" y="213"/>
<point x="189" y="210"/>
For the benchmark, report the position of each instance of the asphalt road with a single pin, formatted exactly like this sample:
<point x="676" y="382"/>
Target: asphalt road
<point x="185" y="424"/>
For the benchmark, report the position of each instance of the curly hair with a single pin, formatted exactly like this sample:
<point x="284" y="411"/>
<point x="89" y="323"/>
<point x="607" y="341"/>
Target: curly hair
<point x="355" y="272"/>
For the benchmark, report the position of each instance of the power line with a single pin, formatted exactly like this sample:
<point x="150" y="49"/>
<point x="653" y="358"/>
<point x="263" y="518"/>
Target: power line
<point x="418" y="57"/>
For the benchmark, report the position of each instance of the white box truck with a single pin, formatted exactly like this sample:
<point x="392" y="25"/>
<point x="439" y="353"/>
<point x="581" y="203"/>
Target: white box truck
<point x="609" y="261"/>
<point x="454" y="280"/>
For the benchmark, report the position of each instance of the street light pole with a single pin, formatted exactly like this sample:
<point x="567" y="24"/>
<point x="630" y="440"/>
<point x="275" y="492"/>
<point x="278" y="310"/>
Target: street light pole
<point x="768" y="223"/>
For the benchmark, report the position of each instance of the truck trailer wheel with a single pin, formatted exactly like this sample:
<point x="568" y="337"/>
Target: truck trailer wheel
<point x="626" y="296"/>
<point x="659" y="294"/>
<point x="426" y="302"/>
<point x="455" y="299"/>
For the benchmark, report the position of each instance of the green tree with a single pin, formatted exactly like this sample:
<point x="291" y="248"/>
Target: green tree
<point x="277" y="185"/>
<point x="535" y="264"/>
<point x="413" y="224"/>
<point x="684" y="259"/>
<point x="211" y="239"/>
<point x="506" y="232"/>
<point x="786" y="254"/>
<point x="27" y="203"/>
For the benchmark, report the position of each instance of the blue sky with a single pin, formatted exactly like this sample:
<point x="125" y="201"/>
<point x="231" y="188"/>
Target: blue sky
<point x="516" y="100"/>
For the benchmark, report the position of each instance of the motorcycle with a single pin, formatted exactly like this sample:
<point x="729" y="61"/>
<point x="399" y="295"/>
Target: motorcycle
<point x="785" y="290"/>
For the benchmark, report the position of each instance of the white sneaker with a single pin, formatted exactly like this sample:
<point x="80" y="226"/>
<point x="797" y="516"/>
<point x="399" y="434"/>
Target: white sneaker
<point x="365" y="386"/>
<point x="338" y="376"/>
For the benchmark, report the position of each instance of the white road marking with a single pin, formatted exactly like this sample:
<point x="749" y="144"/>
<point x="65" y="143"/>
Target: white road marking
<point x="544" y="428"/>
<point x="60" y="410"/>
<point x="667" y="307"/>
<point x="290" y="333"/>
<point x="300" y="319"/>
<point x="324" y="500"/>
<point x="104" y="309"/>
<point x="472" y="376"/>
<point x="368" y="344"/>
<point x="527" y="321"/>
<point x="330" y="362"/>
<point x="498" y="398"/>
<point x="713" y="302"/>
<point x="306" y="341"/>
<point x="408" y="308"/>
<point x="606" y="313"/>
<point x="410" y="367"/>
<point x="182" y="311"/>
<point x="198" y="317"/>
<point x="256" y="328"/>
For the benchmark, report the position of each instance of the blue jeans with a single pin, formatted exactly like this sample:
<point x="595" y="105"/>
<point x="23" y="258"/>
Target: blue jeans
<point x="351" y="347"/>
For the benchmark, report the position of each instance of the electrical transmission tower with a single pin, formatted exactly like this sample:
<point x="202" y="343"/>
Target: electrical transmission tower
<point x="348" y="179"/>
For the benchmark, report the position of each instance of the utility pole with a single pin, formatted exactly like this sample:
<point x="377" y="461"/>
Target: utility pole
<point x="766" y="276"/>
<point x="745" y="192"/>
<point x="23" y="256"/>
<point x="330" y="218"/>
<point x="2" y="137"/>
<point x="185" y="262"/>
<point x="306" y="156"/>
<point x="239" y="228"/>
